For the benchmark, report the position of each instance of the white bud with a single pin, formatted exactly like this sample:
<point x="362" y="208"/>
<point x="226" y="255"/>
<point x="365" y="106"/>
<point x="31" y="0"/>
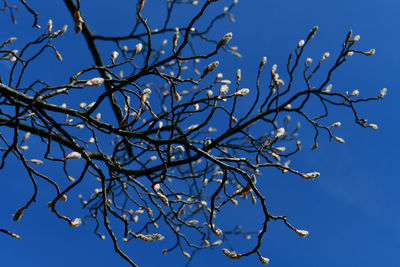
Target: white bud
<point x="328" y="88"/>
<point x="76" y="222"/>
<point x="383" y="93"/>
<point x="224" y="89"/>
<point x="264" y="260"/>
<point x="301" y="43"/>
<point x="311" y="175"/>
<point x="36" y="161"/>
<point x="138" y="48"/>
<point x="74" y="155"/>
<point x="340" y="140"/>
<point x="224" y="40"/>
<point x="370" y="52"/>
<point x="373" y="126"/>
<point x="114" y="56"/>
<point x="238" y="74"/>
<point x="355" y="93"/>
<point x="95" y="82"/>
<point x="302" y="233"/>
<point x="242" y="92"/>
<point x="280" y="132"/>
<point x="326" y="55"/>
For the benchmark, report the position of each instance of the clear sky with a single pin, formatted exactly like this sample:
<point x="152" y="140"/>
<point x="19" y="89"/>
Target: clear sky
<point x="351" y="210"/>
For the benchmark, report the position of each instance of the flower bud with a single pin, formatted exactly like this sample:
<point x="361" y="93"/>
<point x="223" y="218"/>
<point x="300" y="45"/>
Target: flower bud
<point x="17" y="216"/>
<point x="78" y="21"/>
<point x="114" y="56"/>
<point x="74" y="155"/>
<point x="311" y="175"/>
<point x="211" y="67"/>
<point x="382" y="93"/>
<point x="95" y="82"/>
<point x="242" y="92"/>
<point x="224" y="40"/>
<point x="76" y="222"/>
<point x="280" y="132"/>
<point x="302" y="233"/>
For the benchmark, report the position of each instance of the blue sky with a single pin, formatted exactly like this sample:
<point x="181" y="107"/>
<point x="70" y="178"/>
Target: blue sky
<point x="351" y="210"/>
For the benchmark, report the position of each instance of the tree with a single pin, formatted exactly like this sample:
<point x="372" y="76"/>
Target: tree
<point x="182" y="145"/>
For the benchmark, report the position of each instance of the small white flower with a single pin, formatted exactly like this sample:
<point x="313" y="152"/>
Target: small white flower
<point x="301" y="43"/>
<point x="373" y="126"/>
<point x="336" y="124"/>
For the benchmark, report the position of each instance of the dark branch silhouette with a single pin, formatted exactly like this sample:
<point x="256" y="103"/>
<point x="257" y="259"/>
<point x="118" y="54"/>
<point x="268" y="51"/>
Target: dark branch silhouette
<point x="182" y="146"/>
